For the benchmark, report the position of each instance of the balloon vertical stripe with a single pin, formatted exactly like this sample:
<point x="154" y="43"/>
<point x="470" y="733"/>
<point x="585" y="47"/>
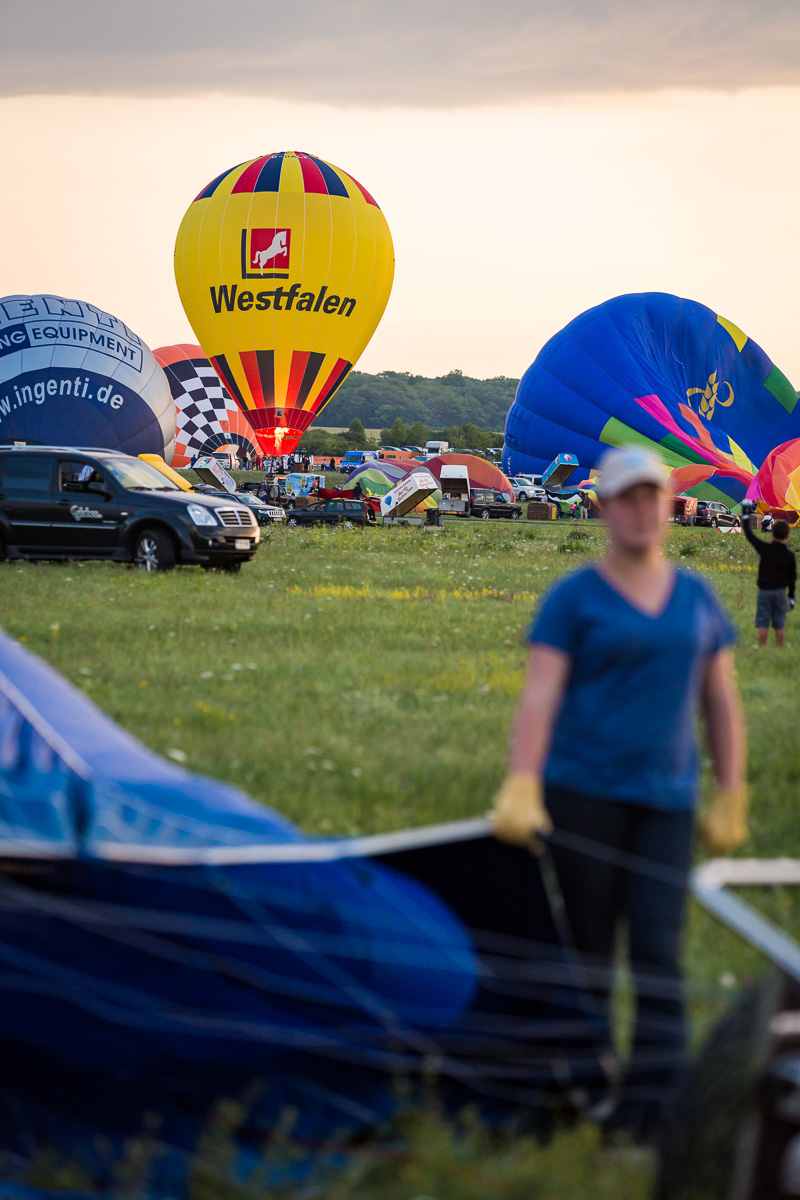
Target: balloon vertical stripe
<point x="220" y="364"/>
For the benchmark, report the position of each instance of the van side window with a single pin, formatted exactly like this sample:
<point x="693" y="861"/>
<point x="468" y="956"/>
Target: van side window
<point x="74" y="476"/>
<point x="27" y="473"/>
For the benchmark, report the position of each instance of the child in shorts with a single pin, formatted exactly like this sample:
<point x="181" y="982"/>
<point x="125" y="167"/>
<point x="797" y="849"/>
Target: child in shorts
<point x="777" y="572"/>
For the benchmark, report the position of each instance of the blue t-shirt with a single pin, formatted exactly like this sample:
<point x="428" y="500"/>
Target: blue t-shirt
<point x="626" y="729"/>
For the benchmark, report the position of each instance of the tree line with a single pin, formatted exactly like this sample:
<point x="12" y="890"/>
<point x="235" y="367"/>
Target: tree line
<point x="413" y="409"/>
<point x="452" y="399"/>
<point x="460" y="437"/>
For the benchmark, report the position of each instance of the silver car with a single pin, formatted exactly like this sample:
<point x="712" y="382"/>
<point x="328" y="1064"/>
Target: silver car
<point x="524" y="489"/>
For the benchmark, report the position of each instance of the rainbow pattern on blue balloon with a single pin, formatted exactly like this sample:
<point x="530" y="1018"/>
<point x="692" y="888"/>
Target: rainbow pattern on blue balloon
<point x="660" y="371"/>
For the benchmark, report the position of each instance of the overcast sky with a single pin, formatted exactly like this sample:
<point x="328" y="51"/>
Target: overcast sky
<point x="580" y="148"/>
<point x="408" y="52"/>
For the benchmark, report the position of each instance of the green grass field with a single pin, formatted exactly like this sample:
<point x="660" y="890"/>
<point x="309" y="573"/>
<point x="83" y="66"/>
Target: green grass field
<point x="364" y="680"/>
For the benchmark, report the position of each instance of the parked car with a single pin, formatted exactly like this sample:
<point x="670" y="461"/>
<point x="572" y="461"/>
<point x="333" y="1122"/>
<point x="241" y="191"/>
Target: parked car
<point x="356" y="458"/>
<point x="715" y="515"/>
<point x="58" y="503"/>
<point x="264" y="512"/>
<point x="524" y="490"/>
<point x="486" y="503"/>
<point x="331" y="512"/>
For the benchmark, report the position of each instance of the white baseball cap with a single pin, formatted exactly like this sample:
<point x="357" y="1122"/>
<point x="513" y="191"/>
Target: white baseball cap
<point x="625" y="466"/>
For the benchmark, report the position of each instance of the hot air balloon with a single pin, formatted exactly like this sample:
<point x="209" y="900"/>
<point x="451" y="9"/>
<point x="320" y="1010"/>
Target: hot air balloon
<point x="777" y="485"/>
<point x="482" y="474"/>
<point x="166" y="941"/>
<point x="284" y="265"/>
<point x="207" y="416"/>
<point x="659" y="371"/>
<point x="73" y="375"/>
<point x="377" y="477"/>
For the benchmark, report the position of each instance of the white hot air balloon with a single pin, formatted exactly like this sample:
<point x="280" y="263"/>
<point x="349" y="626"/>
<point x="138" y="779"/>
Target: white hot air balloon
<point x="73" y="375"/>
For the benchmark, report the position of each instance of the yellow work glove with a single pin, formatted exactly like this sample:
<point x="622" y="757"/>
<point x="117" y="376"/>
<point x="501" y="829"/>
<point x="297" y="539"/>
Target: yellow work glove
<point x="724" y="826"/>
<point x="519" y="814"/>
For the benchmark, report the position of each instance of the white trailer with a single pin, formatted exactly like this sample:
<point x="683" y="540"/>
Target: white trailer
<point x="454" y="483"/>
<point x="211" y="471"/>
<point x="407" y="494"/>
<point x="434" y="449"/>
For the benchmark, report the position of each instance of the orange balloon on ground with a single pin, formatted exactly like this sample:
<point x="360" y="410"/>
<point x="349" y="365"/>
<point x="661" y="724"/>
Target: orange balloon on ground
<point x="482" y="474"/>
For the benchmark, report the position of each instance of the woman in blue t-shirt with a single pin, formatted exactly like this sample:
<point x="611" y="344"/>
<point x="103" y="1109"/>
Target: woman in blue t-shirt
<point x="604" y="758"/>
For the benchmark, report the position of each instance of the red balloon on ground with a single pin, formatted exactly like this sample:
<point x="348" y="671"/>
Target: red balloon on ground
<point x="482" y="474"/>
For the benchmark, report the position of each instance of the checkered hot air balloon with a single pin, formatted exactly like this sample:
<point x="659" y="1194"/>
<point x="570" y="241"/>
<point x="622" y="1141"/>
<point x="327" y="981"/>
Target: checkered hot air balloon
<point x="207" y="418"/>
<point x="284" y="265"/>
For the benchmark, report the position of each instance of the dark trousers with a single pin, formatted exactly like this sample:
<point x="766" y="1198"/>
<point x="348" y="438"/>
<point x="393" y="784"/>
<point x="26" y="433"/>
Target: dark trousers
<point x="619" y="860"/>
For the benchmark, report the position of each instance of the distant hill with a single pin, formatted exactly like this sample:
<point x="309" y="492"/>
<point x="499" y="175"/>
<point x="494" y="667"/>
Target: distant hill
<point x="454" y="399"/>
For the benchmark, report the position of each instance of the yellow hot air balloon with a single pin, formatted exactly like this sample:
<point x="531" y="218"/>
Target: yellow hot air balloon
<point x="284" y="265"/>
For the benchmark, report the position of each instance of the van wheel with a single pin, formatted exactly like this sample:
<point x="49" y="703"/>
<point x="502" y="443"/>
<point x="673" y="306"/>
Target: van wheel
<point x="523" y="496"/>
<point x="348" y="525"/>
<point x="292" y="522"/>
<point x="2" y="549"/>
<point x="154" y="551"/>
<point x="515" y="516"/>
<point x="486" y="515"/>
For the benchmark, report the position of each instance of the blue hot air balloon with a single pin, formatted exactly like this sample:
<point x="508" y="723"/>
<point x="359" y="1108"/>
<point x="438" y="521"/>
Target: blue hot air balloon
<point x="166" y="941"/>
<point x="73" y="375"/>
<point x="660" y="371"/>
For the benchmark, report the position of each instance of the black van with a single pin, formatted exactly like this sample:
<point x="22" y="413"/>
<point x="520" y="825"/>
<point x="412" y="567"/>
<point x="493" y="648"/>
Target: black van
<point x="92" y="504"/>
<point x="488" y="504"/>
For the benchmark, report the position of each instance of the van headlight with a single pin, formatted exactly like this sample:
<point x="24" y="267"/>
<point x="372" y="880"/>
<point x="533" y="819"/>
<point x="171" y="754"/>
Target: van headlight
<point x="201" y="515"/>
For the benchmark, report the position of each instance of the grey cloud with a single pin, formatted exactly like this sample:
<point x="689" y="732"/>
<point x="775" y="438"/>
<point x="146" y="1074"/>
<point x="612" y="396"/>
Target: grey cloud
<point x="391" y="52"/>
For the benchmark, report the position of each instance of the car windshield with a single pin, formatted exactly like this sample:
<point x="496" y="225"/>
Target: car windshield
<point x="138" y="476"/>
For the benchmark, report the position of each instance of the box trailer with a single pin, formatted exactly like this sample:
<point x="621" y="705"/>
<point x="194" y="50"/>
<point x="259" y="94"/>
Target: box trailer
<point x="212" y="472"/>
<point x="454" y="482"/>
<point x="685" y="510"/>
<point x="560" y="470"/>
<point x="407" y="494"/>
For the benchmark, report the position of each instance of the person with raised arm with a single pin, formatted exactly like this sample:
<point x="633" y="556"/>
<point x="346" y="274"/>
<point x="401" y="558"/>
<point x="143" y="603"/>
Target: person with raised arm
<point x="777" y="575"/>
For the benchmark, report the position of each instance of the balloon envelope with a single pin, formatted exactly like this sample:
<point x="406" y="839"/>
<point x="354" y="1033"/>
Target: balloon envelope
<point x="207" y="417"/>
<point x="657" y="370"/>
<point x="73" y="375"/>
<point x="377" y="476"/>
<point x="482" y="474"/>
<point x="284" y="265"/>
<point x="777" y="484"/>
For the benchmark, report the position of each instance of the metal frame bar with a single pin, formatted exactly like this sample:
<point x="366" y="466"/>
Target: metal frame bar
<point x="710" y="883"/>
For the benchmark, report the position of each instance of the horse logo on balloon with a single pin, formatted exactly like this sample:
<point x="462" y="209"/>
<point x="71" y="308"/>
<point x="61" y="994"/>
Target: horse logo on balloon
<point x="276" y="249"/>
